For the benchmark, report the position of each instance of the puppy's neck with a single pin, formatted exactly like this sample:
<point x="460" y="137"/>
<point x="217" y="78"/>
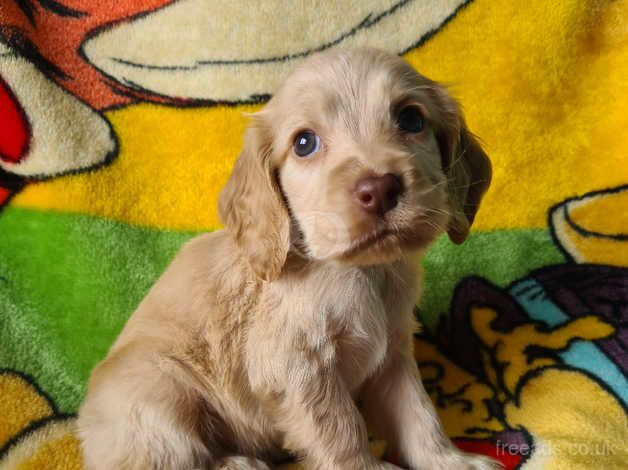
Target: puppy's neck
<point x="298" y="265"/>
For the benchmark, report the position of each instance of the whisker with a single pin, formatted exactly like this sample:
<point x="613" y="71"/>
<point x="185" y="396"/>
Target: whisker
<point x="433" y="224"/>
<point x="438" y="211"/>
<point x="433" y="187"/>
<point x="458" y="158"/>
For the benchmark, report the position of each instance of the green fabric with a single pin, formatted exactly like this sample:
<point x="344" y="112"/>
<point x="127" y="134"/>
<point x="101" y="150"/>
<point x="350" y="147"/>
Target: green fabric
<point x="500" y="256"/>
<point x="72" y="310"/>
<point x="97" y="271"/>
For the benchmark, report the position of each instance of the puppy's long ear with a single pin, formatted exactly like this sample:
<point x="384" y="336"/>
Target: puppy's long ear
<point x="465" y="164"/>
<point x="251" y="205"/>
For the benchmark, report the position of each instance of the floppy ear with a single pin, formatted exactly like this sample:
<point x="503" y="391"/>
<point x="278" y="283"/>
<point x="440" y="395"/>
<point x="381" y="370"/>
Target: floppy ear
<point x="466" y="165"/>
<point x="252" y="208"/>
<point x="470" y="176"/>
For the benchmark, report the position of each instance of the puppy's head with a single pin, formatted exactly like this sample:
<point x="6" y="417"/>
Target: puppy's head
<point x="357" y="158"/>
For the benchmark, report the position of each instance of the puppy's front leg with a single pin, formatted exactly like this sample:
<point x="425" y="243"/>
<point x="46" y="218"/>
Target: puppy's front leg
<point x="401" y="410"/>
<point x="313" y="409"/>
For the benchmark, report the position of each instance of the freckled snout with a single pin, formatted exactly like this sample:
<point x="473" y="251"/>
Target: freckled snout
<point x="378" y="194"/>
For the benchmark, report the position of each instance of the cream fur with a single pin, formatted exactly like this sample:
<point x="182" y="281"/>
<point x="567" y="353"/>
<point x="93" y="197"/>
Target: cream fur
<point x="254" y="344"/>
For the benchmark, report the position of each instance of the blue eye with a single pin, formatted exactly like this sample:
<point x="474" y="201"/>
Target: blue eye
<point x="306" y="143"/>
<point x="410" y="119"/>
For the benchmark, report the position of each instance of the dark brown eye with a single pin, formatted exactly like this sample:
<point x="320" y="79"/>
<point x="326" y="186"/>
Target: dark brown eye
<point x="306" y="143"/>
<point x="410" y="119"/>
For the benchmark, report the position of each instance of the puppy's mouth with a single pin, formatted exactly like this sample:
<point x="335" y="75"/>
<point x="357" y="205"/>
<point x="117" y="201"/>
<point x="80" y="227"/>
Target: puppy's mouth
<point x="365" y="242"/>
<point x="390" y="241"/>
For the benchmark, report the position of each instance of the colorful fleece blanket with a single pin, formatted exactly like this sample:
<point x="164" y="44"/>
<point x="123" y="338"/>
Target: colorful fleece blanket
<point x="121" y="119"/>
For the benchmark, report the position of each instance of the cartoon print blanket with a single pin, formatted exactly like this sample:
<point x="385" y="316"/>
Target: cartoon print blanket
<point x="120" y="121"/>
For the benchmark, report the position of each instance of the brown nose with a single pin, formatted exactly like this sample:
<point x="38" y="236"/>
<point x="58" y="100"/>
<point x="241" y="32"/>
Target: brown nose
<point x="378" y="194"/>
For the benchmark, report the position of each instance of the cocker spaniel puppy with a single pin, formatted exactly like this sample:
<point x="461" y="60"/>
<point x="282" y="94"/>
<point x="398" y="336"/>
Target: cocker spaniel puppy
<point x="259" y="339"/>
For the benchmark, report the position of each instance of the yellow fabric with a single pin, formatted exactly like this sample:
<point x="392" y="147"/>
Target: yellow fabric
<point x="594" y="216"/>
<point x="457" y="418"/>
<point x="543" y="87"/>
<point x="170" y="169"/>
<point x="593" y="229"/>
<point x="20" y="404"/>
<point x="511" y="348"/>
<point x="63" y="452"/>
<point x="577" y="424"/>
<point x="52" y="446"/>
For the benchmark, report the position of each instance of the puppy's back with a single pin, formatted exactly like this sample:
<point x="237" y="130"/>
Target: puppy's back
<point x="202" y="277"/>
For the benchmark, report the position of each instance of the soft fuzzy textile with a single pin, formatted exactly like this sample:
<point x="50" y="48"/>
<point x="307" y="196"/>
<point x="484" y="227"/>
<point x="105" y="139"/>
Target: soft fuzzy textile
<point x="120" y="121"/>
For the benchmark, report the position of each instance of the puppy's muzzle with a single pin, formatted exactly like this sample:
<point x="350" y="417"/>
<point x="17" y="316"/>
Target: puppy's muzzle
<point x="378" y="194"/>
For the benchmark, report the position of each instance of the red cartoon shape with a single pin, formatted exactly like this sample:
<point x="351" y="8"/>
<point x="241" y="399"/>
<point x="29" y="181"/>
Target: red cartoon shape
<point x="4" y="195"/>
<point x="482" y="447"/>
<point x="15" y="134"/>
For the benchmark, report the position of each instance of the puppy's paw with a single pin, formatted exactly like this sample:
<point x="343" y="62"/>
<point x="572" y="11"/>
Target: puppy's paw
<point x="387" y="466"/>
<point x="239" y="462"/>
<point x="474" y="462"/>
<point x="457" y="460"/>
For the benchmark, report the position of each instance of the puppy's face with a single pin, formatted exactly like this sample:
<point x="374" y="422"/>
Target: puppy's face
<point x="366" y="159"/>
<point x="361" y="167"/>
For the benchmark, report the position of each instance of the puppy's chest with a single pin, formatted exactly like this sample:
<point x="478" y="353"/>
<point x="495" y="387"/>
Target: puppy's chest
<point x="358" y="321"/>
<point x="360" y="348"/>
